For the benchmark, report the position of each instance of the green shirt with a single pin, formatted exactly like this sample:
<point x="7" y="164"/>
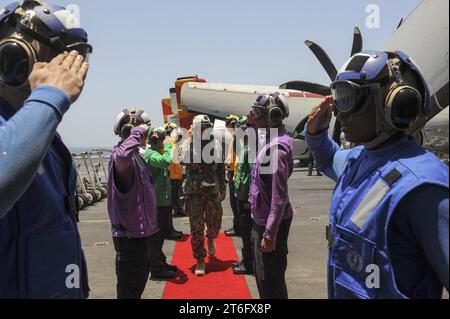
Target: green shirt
<point x="159" y="164"/>
<point x="243" y="175"/>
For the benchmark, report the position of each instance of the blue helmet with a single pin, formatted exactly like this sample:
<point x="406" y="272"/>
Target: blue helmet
<point x="38" y="21"/>
<point x="366" y="72"/>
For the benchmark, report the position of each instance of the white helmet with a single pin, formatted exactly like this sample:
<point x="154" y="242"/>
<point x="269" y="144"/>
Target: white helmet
<point x="201" y="119"/>
<point x="133" y="117"/>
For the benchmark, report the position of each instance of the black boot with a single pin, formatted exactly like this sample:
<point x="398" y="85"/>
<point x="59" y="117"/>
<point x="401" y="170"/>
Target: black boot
<point x="172" y="268"/>
<point x="163" y="274"/>
<point x="242" y="269"/>
<point x="231" y="233"/>
<point x="173" y="235"/>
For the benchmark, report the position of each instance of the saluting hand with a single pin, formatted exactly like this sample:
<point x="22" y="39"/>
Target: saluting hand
<point x="66" y="72"/>
<point x="320" y="117"/>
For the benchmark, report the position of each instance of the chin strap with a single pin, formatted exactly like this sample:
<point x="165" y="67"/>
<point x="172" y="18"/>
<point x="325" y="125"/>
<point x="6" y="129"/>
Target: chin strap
<point x="377" y="141"/>
<point x="384" y="130"/>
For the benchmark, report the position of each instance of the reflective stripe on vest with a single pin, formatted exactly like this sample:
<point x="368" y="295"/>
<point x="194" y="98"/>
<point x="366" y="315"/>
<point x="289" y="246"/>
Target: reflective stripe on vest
<point x="373" y="198"/>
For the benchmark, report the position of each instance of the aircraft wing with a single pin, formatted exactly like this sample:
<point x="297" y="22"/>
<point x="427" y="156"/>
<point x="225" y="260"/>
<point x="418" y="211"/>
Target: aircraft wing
<point x="428" y="25"/>
<point x="219" y="100"/>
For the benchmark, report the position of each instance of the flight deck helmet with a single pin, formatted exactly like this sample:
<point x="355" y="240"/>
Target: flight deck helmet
<point x="24" y="24"/>
<point x="405" y="94"/>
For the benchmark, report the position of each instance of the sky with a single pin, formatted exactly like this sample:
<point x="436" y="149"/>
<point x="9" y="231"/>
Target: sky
<point x="141" y="47"/>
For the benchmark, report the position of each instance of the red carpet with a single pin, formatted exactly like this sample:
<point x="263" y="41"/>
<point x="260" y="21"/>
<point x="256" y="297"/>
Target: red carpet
<point x="219" y="282"/>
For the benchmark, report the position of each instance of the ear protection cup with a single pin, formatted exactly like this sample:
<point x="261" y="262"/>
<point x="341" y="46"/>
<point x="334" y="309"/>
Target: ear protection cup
<point x="276" y="114"/>
<point x="125" y="132"/>
<point x="403" y="102"/>
<point x="279" y="109"/>
<point x="403" y="106"/>
<point x="155" y="136"/>
<point x="17" y="60"/>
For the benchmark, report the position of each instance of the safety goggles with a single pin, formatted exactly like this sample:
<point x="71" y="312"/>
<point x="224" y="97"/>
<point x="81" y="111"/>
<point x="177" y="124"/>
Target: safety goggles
<point x="348" y="96"/>
<point x="84" y="49"/>
<point x="57" y="43"/>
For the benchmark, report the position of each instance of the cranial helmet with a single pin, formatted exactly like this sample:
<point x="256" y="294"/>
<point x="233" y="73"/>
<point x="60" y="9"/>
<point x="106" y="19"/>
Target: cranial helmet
<point x="127" y="119"/>
<point x="276" y="105"/>
<point x="392" y="80"/>
<point x="201" y="120"/>
<point x="51" y="25"/>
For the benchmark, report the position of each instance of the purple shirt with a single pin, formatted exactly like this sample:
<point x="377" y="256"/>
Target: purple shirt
<point x="131" y="193"/>
<point x="123" y="155"/>
<point x="269" y="196"/>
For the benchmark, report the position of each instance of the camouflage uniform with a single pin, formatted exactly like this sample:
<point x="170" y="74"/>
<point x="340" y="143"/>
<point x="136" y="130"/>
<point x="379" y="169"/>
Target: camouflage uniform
<point x="203" y="205"/>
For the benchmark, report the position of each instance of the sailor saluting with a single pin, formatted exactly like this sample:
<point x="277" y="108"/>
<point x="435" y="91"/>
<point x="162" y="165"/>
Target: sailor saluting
<point x="388" y="233"/>
<point x="40" y="246"/>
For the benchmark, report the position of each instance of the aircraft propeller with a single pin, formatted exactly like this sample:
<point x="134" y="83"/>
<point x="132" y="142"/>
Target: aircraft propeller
<point x="331" y="70"/>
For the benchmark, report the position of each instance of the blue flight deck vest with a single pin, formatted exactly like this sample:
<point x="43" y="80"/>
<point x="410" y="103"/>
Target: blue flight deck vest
<point x="359" y="218"/>
<point x="40" y="247"/>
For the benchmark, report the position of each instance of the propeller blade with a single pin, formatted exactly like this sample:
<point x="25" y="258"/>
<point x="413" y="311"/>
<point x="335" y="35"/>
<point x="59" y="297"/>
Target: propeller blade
<point x="307" y="87"/>
<point x="300" y="128"/>
<point x="323" y="58"/>
<point x="357" y="41"/>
